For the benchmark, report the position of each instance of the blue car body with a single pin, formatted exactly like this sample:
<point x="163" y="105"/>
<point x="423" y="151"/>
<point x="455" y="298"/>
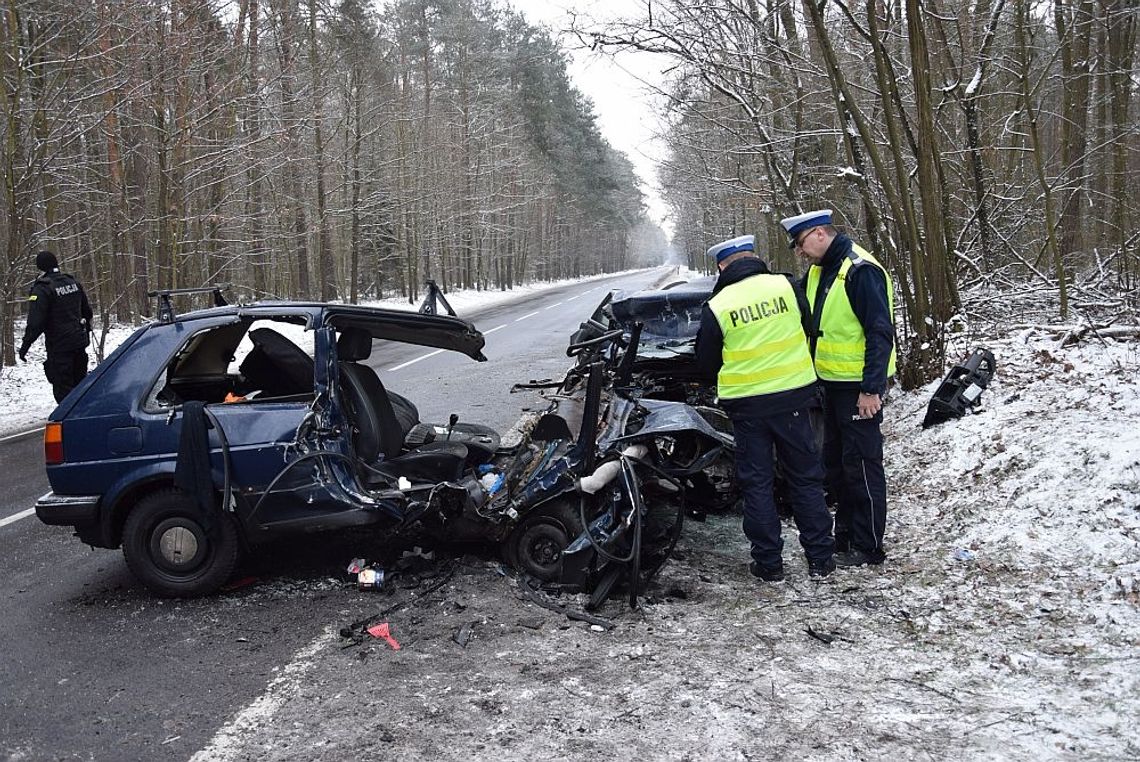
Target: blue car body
<point x="206" y="432"/>
<point x="121" y="427"/>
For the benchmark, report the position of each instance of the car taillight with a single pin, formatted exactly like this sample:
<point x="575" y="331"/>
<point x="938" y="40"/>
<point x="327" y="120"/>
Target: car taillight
<point x="53" y="443"/>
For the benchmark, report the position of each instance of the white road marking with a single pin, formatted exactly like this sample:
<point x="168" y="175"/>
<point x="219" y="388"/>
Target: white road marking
<point x="436" y="352"/>
<point x="556" y="304"/>
<point x="21" y="434"/>
<point x="421" y="357"/>
<point x="524" y="317"/>
<point x="16" y="517"/>
<point x="227" y="742"/>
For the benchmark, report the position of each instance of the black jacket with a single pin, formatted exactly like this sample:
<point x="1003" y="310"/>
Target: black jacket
<point x="710" y="341"/>
<point x="58" y="309"/>
<point x="867" y="291"/>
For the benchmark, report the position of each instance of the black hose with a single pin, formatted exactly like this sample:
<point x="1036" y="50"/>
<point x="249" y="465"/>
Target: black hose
<point x="678" y="525"/>
<point x="598" y="548"/>
<point x="227" y="489"/>
<point x="634" y="491"/>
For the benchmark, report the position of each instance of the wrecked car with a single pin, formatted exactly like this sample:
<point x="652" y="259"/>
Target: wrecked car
<point x="208" y="432"/>
<point x="647" y="339"/>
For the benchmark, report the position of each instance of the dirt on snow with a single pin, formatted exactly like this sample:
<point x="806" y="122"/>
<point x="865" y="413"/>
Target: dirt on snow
<point x="1005" y="623"/>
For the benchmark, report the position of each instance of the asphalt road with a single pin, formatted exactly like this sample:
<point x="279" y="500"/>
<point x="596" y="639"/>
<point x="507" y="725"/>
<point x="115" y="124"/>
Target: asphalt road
<point x="94" y="668"/>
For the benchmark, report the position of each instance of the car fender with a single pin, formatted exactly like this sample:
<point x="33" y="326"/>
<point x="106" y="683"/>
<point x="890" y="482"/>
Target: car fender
<point x="128" y="490"/>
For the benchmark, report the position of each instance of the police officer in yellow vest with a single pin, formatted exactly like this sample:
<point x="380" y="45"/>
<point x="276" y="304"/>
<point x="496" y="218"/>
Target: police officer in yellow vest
<point x="752" y="338"/>
<point x="853" y="347"/>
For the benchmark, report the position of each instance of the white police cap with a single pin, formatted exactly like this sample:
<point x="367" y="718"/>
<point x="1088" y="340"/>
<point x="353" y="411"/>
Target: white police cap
<point x="801" y="222"/>
<point x="732" y="246"/>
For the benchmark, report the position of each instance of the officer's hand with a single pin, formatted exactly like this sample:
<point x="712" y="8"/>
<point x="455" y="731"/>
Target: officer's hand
<point x="23" y="353"/>
<point x="868" y="404"/>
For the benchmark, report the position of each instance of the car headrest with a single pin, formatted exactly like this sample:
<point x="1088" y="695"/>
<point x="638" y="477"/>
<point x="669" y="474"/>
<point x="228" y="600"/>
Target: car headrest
<point x="354" y="344"/>
<point x="277" y="365"/>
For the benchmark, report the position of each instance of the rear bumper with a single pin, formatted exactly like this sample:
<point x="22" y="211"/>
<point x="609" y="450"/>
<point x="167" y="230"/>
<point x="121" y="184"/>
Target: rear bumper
<point x="68" y="510"/>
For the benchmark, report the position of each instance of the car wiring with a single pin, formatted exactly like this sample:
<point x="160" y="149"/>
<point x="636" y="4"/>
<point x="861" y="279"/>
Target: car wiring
<point x="301" y="459"/>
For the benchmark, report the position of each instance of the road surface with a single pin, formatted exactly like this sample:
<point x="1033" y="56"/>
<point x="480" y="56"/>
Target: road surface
<point x="95" y="668"/>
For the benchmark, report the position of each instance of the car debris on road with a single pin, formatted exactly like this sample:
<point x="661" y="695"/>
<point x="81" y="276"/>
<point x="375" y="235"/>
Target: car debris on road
<point x="590" y="498"/>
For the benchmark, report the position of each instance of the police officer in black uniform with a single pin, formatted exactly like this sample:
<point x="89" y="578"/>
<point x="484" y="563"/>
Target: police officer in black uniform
<point x="852" y="344"/>
<point x="58" y="309"/>
<point x="752" y="339"/>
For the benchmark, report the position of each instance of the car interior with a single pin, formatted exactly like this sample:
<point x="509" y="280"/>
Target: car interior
<point x="273" y="367"/>
<point x="388" y="436"/>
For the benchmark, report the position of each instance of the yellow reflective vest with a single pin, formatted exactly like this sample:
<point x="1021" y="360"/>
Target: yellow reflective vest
<point x="764" y="348"/>
<point x="842" y="344"/>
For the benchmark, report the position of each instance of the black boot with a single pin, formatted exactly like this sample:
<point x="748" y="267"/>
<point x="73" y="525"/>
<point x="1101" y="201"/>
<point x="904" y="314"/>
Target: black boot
<point x="822" y="568"/>
<point x="856" y="557"/>
<point x="842" y="542"/>
<point x="767" y="573"/>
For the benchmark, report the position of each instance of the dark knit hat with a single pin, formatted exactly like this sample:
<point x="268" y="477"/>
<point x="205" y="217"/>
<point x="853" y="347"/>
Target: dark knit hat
<point x="46" y="261"/>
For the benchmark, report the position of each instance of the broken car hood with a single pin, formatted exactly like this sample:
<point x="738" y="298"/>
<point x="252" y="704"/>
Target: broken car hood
<point x="660" y="417"/>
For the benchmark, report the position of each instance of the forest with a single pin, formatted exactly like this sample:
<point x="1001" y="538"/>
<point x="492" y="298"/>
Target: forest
<point x="297" y="149"/>
<point x="334" y="149"/>
<point x="983" y="147"/>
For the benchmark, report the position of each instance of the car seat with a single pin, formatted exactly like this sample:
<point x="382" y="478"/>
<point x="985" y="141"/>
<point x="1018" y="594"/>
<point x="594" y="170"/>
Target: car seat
<point x="354" y="345"/>
<point x="378" y="434"/>
<point x="277" y="366"/>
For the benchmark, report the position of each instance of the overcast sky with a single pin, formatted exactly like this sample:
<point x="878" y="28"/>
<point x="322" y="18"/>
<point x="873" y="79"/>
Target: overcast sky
<point x="625" y="107"/>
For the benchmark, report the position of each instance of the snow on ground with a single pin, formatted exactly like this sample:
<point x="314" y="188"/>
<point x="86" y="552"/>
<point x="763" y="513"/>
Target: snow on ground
<point x="1004" y="625"/>
<point x="1017" y="537"/>
<point x="25" y="395"/>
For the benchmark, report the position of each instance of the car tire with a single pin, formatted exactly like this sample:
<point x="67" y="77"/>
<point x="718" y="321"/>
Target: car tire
<point x="535" y="546"/>
<point x="169" y="550"/>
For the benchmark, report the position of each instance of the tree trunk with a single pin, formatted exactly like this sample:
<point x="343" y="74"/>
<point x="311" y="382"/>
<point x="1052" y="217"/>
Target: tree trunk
<point x="1074" y="32"/>
<point x="325" y="263"/>
<point x="944" y="292"/>
<point x="1021" y="35"/>
<point x="1120" y="18"/>
<point x="300" y="233"/>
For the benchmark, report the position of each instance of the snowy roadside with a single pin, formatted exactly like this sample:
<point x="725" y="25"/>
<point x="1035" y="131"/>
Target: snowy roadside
<point x="25" y="395"/>
<point x="1005" y="624"/>
<point x="1016" y="591"/>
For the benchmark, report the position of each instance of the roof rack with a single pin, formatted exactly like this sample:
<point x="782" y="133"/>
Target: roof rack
<point x="166" y="309"/>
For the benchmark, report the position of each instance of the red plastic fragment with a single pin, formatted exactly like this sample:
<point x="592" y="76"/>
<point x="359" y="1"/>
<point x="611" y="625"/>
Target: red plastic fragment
<point x="384" y="632"/>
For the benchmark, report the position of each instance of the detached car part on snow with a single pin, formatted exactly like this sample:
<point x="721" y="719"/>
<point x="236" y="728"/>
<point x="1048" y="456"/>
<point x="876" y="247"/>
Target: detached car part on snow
<point x="961" y="390"/>
<point x="184" y="457"/>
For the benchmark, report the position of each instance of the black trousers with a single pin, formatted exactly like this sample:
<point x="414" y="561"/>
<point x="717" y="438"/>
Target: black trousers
<point x="64" y="371"/>
<point x="790" y="435"/>
<point x="853" y="458"/>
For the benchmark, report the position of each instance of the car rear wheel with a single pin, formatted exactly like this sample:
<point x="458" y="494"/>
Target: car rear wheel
<point x="169" y="550"/>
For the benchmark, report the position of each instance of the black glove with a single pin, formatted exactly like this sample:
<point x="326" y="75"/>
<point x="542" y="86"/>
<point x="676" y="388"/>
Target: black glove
<point x="23" y="353"/>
